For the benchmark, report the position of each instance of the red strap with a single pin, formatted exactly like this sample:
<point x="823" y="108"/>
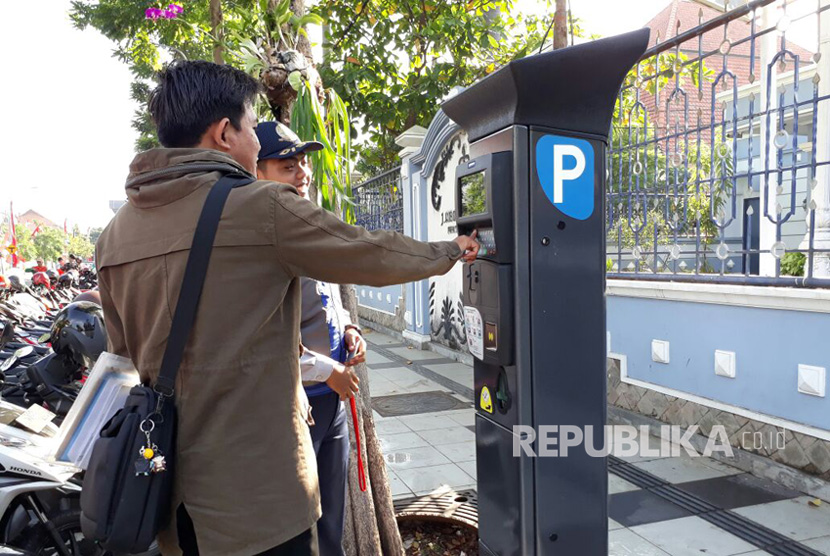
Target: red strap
<point x="361" y="473"/>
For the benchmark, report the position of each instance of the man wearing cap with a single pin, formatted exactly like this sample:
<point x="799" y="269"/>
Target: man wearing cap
<point x="329" y="337"/>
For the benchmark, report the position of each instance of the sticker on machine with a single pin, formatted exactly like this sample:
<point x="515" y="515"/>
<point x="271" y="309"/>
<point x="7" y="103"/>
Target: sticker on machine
<point x="565" y="168"/>
<point x="475" y="332"/>
<point x="485" y="401"/>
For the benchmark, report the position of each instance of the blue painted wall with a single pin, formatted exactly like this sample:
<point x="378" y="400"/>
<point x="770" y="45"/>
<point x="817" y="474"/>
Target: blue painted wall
<point x="381" y="299"/>
<point x="769" y="345"/>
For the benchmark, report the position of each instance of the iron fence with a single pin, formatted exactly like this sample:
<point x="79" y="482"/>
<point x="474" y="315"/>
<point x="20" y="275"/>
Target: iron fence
<point x="379" y="201"/>
<point x="718" y="158"/>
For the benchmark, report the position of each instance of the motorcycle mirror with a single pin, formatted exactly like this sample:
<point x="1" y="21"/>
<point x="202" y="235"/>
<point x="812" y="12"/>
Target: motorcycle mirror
<point x="7" y="335"/>
<point x="7" y="364"/>
<point x="18" y="354"/>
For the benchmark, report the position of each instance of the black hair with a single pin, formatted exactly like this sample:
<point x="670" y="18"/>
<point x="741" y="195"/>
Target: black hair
<point x="192" y="95"/>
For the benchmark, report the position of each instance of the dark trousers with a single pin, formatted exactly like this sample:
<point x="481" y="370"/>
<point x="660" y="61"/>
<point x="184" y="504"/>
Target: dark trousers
<point x="304" y="544"/>
<point x="330" y="435"/>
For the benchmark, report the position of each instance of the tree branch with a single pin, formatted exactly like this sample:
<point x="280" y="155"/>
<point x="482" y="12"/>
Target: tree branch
<point x="363" y="7"/>
<point x="216" y="30"/>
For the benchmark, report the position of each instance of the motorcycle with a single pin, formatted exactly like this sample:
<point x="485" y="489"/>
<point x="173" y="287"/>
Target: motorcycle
<point x="40" y="498"/>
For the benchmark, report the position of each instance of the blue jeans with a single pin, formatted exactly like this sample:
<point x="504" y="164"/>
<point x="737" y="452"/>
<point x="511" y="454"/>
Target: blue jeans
<point x="330" y="435"/>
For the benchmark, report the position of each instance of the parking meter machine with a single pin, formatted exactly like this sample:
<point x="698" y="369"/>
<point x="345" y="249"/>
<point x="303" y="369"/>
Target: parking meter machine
<point x="534" y="299"/>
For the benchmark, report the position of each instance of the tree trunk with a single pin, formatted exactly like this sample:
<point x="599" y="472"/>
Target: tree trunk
<point x="560" y="25"/>
<point x="216" y="30"/>
<point x="371" y="527"/>
<point x="303" y="44"/>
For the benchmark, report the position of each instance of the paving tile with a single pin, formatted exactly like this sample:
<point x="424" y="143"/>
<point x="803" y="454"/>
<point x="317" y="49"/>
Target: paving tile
<point x="380" y="339"/>
<point x="655" y="443"/>
<point x="377" y="378"/>
<point x="398" y="373"/>
<point x="450" y="435"/>
<point x="397" y="486"/>
<point x="373" y="357"/>
<point x="821" y="544"/>
<point x="427" y="479"/>
<point x="737" y="491"/>
<point x="454" y="371"/>
<point x="451" y="368"/>
<point x="794" y="518"/>
<point x="690" y="536"/>
<point x="624" y="542"/>
<point x="466" y="417"/>
<point x="454" y="413"/>
<point x="418" y="382"/>
<point x="417" y="458"/>
<point x="427" y="422"/>
<point x="396" y="442"/>
<point x="457" y="452"/>
<point x="413" y="354"/>
<point x="381" y="366"/>
<point x="679" y="470"/>
<point x="639" y="507"/>
<point x="613" y="525"/>
<point x="618" y="484"/>
<point x="386" y="388"/>
<point x="469" y="467"/>
<point x="720" y="466"/>
<point x="392" y="425"/>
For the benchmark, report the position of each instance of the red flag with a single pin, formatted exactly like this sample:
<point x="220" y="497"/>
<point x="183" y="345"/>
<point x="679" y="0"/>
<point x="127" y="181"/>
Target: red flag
<point x="14" y="236"/>
<point x="37" y="229"/>
<point x="64" y="226"/>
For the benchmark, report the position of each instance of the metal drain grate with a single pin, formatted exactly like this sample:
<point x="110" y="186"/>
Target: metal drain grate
<point x="448" y="505"/>
<point x="419" y="402"/>
<point x="743" y="528"/>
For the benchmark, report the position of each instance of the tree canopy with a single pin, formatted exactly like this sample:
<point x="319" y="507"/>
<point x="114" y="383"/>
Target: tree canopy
<point x="49" y="243"/>
<point x="394" y="61"/>
<point x="391" y="61"/>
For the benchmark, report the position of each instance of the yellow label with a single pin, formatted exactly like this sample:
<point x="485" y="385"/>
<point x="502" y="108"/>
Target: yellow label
<point x="12" y="249"/>
<point x="486" y="403"/>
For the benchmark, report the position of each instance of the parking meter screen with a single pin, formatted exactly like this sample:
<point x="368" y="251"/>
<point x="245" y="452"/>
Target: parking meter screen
<point x="473" y="195"/>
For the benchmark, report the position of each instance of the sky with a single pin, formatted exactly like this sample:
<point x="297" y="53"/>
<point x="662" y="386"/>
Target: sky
<point x="66" y="107"/>
<point x="67" y="110"/>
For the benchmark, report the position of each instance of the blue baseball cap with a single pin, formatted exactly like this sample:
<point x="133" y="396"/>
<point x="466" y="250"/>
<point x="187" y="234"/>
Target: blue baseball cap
<point x="276" y="140"/>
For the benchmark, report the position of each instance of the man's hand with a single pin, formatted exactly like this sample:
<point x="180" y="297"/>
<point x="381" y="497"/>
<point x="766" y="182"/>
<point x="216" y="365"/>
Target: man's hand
<point x="356" y="346"/>
<point x="469" y="246"/>
<point x="343" y="381"/>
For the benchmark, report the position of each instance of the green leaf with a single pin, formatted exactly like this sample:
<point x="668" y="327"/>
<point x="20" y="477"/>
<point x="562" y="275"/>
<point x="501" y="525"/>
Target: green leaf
<point x="311" y="19"/>
<point x="295" y="79"/>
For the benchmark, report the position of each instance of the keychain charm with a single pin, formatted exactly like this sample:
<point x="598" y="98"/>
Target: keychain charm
<point x="150" y="459"/>
<point x="158" y="464"/>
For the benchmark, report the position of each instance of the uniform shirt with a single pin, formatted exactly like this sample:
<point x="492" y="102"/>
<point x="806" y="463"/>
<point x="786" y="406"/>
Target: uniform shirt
<point x="322" y="326"/>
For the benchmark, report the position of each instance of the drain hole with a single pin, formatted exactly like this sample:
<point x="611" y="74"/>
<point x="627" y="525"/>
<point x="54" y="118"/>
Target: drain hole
<point x="460" y="498"/>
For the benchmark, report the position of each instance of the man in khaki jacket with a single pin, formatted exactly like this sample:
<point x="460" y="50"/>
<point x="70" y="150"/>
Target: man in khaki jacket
<point x="246" y="481"/>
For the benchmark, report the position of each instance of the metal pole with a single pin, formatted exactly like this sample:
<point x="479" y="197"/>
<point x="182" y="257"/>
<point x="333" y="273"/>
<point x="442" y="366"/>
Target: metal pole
<point x="821" y="193"/>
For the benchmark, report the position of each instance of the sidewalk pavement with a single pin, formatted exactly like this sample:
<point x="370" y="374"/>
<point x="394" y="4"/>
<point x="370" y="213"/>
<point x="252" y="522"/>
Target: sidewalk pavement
<point x="425" y="418"/>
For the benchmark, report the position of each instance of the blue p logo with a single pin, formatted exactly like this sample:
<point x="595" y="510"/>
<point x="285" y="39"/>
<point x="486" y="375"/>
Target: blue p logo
<point x="565" y="167"/>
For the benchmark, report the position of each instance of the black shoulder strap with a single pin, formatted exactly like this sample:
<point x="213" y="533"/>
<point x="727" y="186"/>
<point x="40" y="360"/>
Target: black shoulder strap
<point x="194" y="279"/>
